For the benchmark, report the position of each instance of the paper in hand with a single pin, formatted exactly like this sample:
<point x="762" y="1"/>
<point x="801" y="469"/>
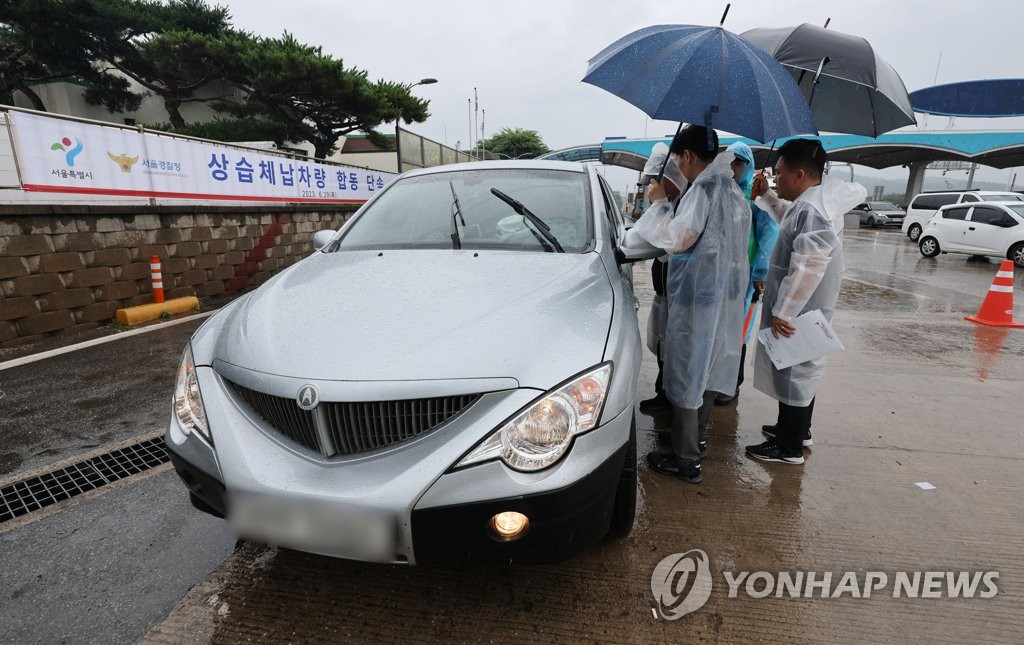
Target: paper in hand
<point x="812" y="339"/>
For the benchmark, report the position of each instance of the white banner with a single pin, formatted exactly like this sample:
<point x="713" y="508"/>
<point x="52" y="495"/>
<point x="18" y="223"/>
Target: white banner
<point x="60" y="156"/>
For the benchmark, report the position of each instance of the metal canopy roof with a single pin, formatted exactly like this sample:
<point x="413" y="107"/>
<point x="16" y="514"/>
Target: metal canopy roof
<point x="999" y="149"/>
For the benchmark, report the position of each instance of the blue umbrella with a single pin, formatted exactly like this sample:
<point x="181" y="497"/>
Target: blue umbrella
<point x="703" y="75"/>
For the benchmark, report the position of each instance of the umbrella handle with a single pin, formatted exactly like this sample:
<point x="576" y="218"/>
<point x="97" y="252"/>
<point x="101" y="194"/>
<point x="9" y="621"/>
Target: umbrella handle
<point x="661" y="173"/>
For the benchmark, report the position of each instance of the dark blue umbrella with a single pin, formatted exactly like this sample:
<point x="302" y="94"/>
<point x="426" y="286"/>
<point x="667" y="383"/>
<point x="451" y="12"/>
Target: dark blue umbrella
<point x="703" y="75"/>
<point x="983" y="98"/>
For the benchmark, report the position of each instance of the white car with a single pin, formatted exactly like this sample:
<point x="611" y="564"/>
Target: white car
<point x="924" y="206"/>
<point x="994" y="229"/>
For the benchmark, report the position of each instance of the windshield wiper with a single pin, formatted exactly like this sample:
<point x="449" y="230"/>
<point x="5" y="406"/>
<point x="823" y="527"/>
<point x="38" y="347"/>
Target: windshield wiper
<point x="519" y="208"/>
<point x="456" y="214"/>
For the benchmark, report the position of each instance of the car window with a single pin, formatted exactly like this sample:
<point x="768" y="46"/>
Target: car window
<point x="418" y="211"/>
<point x="986" y="215"/>
<point x="1017" y="209"/>
<point x="934" y="201"/>
<point x="1003" y="197"/>
<point x="969" y="198"/>
<point x="610" y="207"/>
<point x="955" y="213"/>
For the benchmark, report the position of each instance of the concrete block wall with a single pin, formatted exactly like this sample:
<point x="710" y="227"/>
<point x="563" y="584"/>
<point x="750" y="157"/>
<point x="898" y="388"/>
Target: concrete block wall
<point x="65" y="269"/>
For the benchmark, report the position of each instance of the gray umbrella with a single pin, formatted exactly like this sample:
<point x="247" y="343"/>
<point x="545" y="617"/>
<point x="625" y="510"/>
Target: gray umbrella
<point x="856" y="91"/>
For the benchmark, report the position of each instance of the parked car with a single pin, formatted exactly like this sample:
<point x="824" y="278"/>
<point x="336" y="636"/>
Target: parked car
<point x="874" y="214"/>
<point x="924" y="206"/>
<point x="452" y="374"/>
<point x="994" y="229"/>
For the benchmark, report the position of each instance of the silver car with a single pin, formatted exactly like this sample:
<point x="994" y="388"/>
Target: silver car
<point x="875" y="214"/>
<point x="452" y="374"/>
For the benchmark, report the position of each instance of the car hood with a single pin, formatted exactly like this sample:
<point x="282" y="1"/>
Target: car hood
<point x="423" y="314"/>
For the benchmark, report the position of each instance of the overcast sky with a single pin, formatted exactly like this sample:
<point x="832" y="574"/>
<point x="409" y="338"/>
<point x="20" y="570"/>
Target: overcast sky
<point x="526" y="58"/>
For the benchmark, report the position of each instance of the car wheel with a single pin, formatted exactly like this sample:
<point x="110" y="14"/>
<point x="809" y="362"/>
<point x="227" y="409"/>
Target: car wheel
<point x="624" y="509"/>
<point x="1017" y="254"/>
<point x="914" y="232"/>
<point x="929" y="247"/>
<point x="871" y="222"/>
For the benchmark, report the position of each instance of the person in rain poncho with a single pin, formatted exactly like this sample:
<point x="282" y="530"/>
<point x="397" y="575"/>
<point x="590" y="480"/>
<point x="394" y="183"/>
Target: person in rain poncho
<point x="805" y="274"/>
<point x="673" y="184"/>
<point x="707" y="279"/>
<point x="763" y="232"/>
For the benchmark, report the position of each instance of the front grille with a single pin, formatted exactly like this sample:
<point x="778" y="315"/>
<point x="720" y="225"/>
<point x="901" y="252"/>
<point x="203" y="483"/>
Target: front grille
<point x="349" y="428"/>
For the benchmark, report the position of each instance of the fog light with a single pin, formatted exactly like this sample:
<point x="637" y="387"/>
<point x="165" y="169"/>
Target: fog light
<point x="509" y="525"/>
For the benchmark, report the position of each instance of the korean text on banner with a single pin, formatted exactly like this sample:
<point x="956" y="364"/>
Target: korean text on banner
<point x="61" y="156"/>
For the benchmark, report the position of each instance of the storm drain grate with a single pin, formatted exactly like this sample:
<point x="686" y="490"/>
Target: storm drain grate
<point x="33" y="494"/>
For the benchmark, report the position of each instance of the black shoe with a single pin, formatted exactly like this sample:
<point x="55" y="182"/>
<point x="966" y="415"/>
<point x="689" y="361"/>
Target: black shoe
<point x="666" y="464"/>
<point x="726" y="399"/>
<point x="703" y="449"/>
<point x="769" y="433"/>
<point x="771" y="451"/>
<point x="657" y="404"/>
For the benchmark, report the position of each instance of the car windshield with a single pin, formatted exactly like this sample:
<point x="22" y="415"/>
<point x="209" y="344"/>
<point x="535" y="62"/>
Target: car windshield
<point x="883" y="206"/>
<point x="1003" y="197"/>
<point x="420" y="212"/>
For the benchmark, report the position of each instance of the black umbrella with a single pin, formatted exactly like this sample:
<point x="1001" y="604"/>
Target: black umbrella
<point x="849" y="87"/>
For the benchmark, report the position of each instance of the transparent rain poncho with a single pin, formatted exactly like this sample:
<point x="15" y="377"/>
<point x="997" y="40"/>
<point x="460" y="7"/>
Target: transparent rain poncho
<point x="805" y="274"/>
<point x="707" y="281"/>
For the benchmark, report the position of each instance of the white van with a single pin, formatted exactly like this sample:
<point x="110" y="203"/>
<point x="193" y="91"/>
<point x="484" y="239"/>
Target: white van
<point x="924" y="206"/>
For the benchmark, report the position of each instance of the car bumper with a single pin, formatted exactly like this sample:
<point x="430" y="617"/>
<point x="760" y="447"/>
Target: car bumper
<point x="420" y="508"/>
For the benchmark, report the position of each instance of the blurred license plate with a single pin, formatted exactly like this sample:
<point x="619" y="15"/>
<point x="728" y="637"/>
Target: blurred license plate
<point x="319" y="527"/>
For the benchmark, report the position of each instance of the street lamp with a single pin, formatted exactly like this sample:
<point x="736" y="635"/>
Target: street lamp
<point x="424" y="81"/>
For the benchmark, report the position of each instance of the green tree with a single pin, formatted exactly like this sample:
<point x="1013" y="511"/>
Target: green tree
<point x="49" y="40"/>
<point x="231" y="129"/>
<point x="315" y="97"/>
<point x="516" y="144"/>
<point x="173" y="49"/>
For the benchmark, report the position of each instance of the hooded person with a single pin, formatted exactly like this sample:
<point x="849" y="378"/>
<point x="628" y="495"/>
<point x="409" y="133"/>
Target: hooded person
<point x="708" y="272"/>
<point x="805" y="274"/>
<point x="674" y="184"/>
<point x="763" y="232"/>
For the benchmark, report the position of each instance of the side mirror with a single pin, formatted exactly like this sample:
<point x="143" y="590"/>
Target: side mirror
<point x="322" y="239"/>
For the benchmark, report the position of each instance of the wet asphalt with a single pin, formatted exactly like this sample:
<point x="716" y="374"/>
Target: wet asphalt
<point x="920" y="395"/>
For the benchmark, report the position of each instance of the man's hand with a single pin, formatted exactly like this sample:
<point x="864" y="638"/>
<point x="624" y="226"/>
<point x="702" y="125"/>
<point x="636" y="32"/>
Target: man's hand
<point x="780" y="326"/>
<point x="759" y="287"/>
<point x="654" y="192"/>
<point x="760" y="185"/>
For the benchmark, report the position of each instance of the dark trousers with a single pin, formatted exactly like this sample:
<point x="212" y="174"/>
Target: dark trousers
<point x="793" y="425"/>
<point x="659" y="276"/>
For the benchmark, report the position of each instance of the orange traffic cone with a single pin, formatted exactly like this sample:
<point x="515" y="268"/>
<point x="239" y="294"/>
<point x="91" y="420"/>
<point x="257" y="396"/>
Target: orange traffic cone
<point x="997" y="309"/>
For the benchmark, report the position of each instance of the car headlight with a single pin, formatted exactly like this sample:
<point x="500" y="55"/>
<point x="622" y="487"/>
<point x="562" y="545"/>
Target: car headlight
<point x="188" y="401"/>
<point x="541" y="432"/>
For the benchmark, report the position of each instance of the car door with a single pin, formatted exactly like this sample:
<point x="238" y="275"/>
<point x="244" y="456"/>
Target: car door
<point x="949" y="228"/>
<point x="984" y="232"/>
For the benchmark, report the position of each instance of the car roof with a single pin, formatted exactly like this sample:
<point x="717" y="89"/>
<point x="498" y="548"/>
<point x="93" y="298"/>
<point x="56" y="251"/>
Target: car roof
<point x="526" y="164"/>
<point x="1005" y="204"/>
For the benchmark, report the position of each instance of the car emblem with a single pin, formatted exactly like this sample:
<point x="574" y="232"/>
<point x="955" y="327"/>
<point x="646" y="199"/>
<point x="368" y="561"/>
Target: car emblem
<point x="308" y="397"/>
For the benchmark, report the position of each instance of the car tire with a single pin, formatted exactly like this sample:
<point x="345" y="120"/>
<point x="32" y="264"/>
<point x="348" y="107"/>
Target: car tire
<point x="1016" y="254"/>
<point x="871" y="222"/>
<point x="914" y="232"/>
<point x="929" y="247"/>
<point x="624" y="507"/>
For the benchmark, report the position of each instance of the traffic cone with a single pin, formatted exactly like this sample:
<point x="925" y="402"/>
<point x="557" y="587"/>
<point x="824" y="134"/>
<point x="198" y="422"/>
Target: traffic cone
<point x="997" y="309"/>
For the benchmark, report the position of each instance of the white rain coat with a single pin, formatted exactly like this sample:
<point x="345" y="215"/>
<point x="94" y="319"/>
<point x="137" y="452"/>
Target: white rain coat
<point x="707" y="280"/>
<point x="657" y="321"/>
<point x="805" y="274"/>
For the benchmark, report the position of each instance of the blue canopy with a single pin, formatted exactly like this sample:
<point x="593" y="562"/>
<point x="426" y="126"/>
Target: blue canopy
<point x="988" y="98"/>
